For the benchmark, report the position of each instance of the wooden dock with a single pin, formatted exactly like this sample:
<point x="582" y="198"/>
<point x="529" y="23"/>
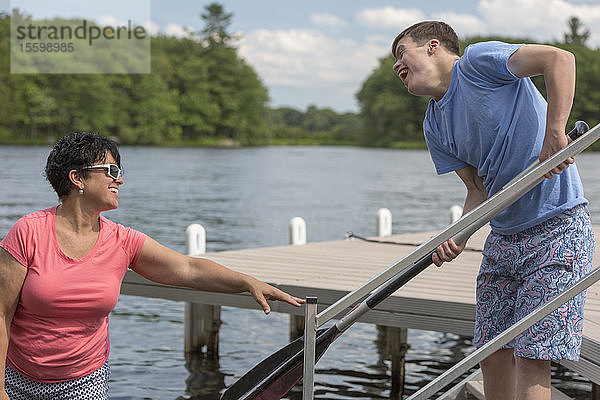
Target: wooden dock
<point x="439" y="299"/>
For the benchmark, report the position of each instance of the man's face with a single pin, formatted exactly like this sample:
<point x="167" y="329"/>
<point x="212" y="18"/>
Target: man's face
<point x="414" y="66"/>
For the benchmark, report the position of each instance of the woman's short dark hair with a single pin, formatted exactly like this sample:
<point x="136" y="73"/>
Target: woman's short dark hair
<point x="75" y="152"/>
<point x="423" y="31"/>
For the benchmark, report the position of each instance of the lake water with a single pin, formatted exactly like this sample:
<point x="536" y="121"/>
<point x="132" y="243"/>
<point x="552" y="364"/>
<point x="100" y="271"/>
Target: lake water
<point x="245" y="198"/>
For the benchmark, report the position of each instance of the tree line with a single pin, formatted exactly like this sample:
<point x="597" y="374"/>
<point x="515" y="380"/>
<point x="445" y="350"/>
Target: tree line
<point x="200" y="92"/>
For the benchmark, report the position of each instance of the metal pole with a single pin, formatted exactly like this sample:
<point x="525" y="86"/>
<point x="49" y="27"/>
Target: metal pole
<point x="297" y="227"/>
<point x="496" y="344"/>
<point x="310" y="339"/>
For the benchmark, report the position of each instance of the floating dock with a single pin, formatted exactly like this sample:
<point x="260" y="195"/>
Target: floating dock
<point x="439" y="299"/>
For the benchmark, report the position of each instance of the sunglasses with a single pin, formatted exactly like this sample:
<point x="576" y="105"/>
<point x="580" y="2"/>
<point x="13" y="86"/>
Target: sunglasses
<point x="111" y="170"/>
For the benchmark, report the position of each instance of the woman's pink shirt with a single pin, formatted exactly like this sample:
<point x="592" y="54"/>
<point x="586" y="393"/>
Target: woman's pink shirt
<point x="60" y="327"/>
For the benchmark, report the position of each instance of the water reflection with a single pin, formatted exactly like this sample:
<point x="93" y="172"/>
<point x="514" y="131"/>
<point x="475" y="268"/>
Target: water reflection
<point x="205" y="380"/>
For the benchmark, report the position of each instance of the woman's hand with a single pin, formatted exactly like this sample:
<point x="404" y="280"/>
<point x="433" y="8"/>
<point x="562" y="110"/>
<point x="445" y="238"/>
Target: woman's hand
<point x="262" y="292"/>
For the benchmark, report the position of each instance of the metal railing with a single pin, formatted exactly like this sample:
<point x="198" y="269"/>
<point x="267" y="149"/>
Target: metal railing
<point x="312" y="323"/>
<point x="499" y="341"/>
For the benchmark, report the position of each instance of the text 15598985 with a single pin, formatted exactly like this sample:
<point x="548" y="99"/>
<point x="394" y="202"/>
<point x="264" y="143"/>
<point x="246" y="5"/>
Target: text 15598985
<point x="42" y="47"/>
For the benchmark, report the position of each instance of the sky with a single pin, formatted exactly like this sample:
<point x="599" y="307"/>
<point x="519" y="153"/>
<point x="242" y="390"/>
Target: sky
<point x="319" y="52"/>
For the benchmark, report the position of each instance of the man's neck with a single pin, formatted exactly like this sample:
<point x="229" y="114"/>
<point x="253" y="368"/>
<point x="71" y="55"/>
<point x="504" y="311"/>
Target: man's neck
<point x="446" y="68"/>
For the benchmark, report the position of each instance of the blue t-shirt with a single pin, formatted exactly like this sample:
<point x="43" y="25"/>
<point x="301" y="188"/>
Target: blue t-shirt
<point x="494" y="121"/>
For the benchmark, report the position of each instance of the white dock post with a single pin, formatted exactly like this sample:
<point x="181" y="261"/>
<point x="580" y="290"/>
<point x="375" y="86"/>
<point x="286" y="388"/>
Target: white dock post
<point x="384" y="222"/>
<point x="202" y="322"/>
<point x="297" y="231"/>
<point x="455" y="213"/>
<point x="195" y="240"/>
<point x="297" y="237"/>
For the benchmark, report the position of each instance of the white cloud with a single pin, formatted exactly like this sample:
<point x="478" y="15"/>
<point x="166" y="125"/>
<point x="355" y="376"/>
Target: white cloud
<point x="327" y="20"/>
<point x="304" y="58"/>
<point x="463" y="24"/>
<point x="541" y="20"/>
<point x="151" y="27"/>
<point x="389" y="17"/>
<point x="177" y="30"/>
<point x="110" y="20"/>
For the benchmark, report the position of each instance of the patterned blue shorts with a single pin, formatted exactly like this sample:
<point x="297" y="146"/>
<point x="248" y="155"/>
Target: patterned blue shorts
<point x="90" y="387"/>
<point x="522" y="271"/>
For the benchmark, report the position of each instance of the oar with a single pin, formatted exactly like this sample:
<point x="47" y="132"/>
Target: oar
<point x="275" y="376"/>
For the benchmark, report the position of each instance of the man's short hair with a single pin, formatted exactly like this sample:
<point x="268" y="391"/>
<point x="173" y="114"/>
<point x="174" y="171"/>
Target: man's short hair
<point x="423" y="31"/>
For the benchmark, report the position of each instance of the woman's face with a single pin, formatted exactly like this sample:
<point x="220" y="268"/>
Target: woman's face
<point x="100" y="188"/>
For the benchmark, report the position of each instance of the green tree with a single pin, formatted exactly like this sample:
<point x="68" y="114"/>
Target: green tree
<point x="184" y="66"/>
<point x="216" y="22"/>
<point x="313" y="126"/>
<point x="153" y="110"/>
<point x="234" y="90"/>
<point x="575" y="35"/>
<point x="389" y="112"/>
<point x="316" y="120"/>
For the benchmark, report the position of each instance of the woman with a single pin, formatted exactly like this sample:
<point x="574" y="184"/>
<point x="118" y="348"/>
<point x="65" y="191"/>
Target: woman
<point x="61" y="271"/>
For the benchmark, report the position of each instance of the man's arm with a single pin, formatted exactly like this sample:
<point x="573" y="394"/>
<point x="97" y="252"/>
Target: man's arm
<point x="558" y="68"/>
<point x="476" y="194"/>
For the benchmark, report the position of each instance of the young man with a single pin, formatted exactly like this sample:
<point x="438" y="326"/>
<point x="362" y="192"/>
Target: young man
<point x="487" y="122"/>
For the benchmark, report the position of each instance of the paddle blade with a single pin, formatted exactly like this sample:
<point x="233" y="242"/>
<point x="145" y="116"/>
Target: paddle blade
<point x="262" y="370"/>
<point x="272" y="378"/>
